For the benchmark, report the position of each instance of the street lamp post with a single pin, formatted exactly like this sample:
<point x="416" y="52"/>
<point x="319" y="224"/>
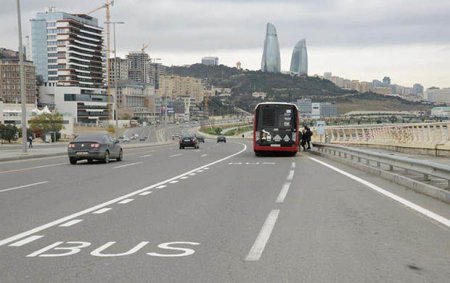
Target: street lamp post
<point x="23" y="98"/>
<point x="116" y="130"/>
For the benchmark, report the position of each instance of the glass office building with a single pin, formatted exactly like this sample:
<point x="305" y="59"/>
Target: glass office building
<point x="299" y="60"/>
<point x="271" y="55"/>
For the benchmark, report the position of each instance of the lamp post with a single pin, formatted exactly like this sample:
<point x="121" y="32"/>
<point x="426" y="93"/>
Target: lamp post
<point x="116" y="129"/>
<point x="23" y="98"/>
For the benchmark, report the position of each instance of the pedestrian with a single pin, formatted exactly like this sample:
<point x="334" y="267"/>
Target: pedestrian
<point x="242" y="135"/>
<point x="303" y="139"/>
<point x="30" y="140"/>
<point x="308" y="133"/>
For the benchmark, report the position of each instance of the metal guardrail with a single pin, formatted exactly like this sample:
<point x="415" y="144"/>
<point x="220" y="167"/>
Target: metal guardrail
<point x="425" y="168"/>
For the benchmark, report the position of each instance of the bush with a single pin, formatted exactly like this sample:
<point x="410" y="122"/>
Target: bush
<point x="8" y="132"/>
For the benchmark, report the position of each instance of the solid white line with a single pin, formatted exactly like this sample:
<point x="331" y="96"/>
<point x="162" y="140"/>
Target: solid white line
<point x="283" y="192"/>
<point x="161" y="187"/>
<point x="175" y="155"/>
<point x="102" y="205"/>
<point x="26" y="241"/>
<point x="293" y="165"/>
<point x="103" y="210"/>
<point x="290" y="176"/>
<point x="125" y="201"/>
<point x="24" y="186"/>
<point x="145" y="193"/>
<point x="30" y="168"/>
<point x="71" y="223"/>
<point x="263" y="236"/>
<point x="204" y="155"/>
<point x="147" y="155"/>
<point x="397" y="198"/>
<point x="130" y="164"/>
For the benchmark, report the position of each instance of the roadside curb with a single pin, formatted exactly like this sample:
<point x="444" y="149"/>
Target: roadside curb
<point x="408" y="183"/>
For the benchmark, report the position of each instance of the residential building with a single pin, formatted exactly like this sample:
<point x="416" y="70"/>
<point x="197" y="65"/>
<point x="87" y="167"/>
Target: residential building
<point x="133" y="99"/>
<point x="10" y="81"/>
<point x="11" y="113"/>
<point x="437" y="95"/>
<point x="299" y="60"/>
<point x="68" y="49"/>
<point x="271" y="61"/>
<point x="417" y="89"/>
<point x="122" y="70"/>
<point x="210" y="61"/>
<point x="139" y="67"/>
<point x="175" y="86"/>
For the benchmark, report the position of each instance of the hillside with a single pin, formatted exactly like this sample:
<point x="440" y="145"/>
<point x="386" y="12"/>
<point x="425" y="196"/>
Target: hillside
<point x="284" y="87"/>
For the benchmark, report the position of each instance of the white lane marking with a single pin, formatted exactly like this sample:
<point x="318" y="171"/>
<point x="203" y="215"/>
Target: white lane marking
<point x="263" y="236"/>
<point x="290" y="176"/>
<point x="204" y="155"/>
<point x="24" y="186"/>
<point x="293" y="165"/>
<point x="147" y="155"/>
<point x="102" y="205"/>
<point x="206" y="168"/>
<point x="103" y="210"/>
<point x="395" y="197"/>
<point x="31" y="168"/>
<point x="184" y="178"/>
<point x="173" y="182"/>
<point x="269" y="163"/>
<point x="235" y="163"/>
<point x="161" y="187"/>
<point x="126" y="165"/>
<point x="125" y="201"/>
<point x="192" y="174"/>
<point x="145" y="193"/>
<point x="283" y="192"/>
<point x="26" y="241"/>
<point x="175" y="155"/>
<point x="198" y="150"/>
<point x="71" y="223"/>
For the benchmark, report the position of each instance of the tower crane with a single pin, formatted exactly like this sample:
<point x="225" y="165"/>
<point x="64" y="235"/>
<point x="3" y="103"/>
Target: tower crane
<point x="144" y="46"/>
<point x="107" y="7"/>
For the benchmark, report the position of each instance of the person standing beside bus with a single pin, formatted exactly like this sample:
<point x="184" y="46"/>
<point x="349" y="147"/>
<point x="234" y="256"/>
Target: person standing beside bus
<point x="308" y="134"/>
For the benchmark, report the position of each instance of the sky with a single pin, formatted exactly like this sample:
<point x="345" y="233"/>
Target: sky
<point x="407" y="40"/>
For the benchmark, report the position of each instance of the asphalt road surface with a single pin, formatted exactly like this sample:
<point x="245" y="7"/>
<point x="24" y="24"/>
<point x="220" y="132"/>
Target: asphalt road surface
<point x="217" y="214"/>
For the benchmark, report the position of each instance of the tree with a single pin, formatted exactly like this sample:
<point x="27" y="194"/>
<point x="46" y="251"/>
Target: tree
<point x="8" y="132"/>
<point x="46" y="123"/>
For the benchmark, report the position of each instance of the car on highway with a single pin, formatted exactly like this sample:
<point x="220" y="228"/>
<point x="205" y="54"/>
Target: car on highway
<point x="200" y="138"/>
<point x="221" y="139"/>
<point x="188" y="141"/>
<point x="143" y="138"/>
<point x="124" y="139"/>
<point x="94" y="147"/>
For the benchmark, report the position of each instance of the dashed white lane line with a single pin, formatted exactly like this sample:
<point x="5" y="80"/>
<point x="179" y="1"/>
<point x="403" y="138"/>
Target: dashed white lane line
<point x="290" y="176"/>
<point x="192" y="174"/>
<point x="184" y="178"/>
<point x="26" y="241"/>
<point x="161" y="187"/>
<point x="175" y="155"/>
<point x="283" y="192"/>
<point x="107" y="203"/>
<point x="421" y="210"/>
<point x="145" y="193"/>
<point x="22" y="187"/>
<point x="31" y="168"/>
<point x="147" y="155"/>
<point x="127" y="165"/>
<point x="125" y="201"/>
<point x="173" y="182"/>
<point x="268" y="163"/>
<point x="263" y="236"/>
<point x="293" y="165"/>
<point x="103" y="210"/>
<point x="204" y="155"/>
<point x="198" y="150"/>
<point x="71" y="223"/>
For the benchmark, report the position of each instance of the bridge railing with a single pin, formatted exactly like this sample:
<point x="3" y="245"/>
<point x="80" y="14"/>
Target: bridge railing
<point x="431" y="136"/>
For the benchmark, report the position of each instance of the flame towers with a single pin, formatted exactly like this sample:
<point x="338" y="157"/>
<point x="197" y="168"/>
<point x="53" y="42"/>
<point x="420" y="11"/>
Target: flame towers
<point x="299" y="60"/>
<point x="271" y="55"/>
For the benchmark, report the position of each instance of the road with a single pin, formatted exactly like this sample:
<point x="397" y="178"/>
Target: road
<point x="217" y="214"/>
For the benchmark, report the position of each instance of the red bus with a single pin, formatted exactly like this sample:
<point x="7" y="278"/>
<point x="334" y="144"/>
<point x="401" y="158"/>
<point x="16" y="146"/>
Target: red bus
<point x="275" y="128"/>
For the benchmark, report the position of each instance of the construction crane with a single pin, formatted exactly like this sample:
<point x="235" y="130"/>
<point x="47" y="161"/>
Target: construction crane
<point x="107" y="7"/>
<point x="144" y="46"/>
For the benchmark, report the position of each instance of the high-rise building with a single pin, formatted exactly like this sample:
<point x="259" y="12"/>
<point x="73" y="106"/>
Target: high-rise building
<point x="417" y="89"/>
<point x="67" y="49"/>
<point x="122" y="69"/>
<point x="299" y="60"/>
<point x="271" y="61"/>
<point x="10" y="80"/>
<point x="139" y="67"/>
<point x="386" y="81"/>
<point x="210" y="61"/>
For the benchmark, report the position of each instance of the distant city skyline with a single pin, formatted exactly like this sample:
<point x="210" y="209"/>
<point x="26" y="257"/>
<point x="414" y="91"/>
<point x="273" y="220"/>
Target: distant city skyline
<point x="361" y="41"/>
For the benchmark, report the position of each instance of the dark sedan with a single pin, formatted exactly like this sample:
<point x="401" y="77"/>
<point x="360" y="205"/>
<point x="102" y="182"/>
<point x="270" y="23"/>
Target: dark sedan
<point x="188" y="141"/>
<point x="221" y="139"/>
<point x="94" y="147"/>
<point x="200" y="138"/>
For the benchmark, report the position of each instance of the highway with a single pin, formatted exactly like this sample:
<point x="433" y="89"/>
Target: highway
<point x="217" y="214"/>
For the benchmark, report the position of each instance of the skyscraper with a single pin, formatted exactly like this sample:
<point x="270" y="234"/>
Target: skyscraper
<point x="299" y="60"/>
<point x="271" y="55"/>
<point x="67" y="49"/>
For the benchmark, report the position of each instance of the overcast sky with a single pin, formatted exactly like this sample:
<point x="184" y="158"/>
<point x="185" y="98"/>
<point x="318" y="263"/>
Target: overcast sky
<point x="408" y="40"/>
